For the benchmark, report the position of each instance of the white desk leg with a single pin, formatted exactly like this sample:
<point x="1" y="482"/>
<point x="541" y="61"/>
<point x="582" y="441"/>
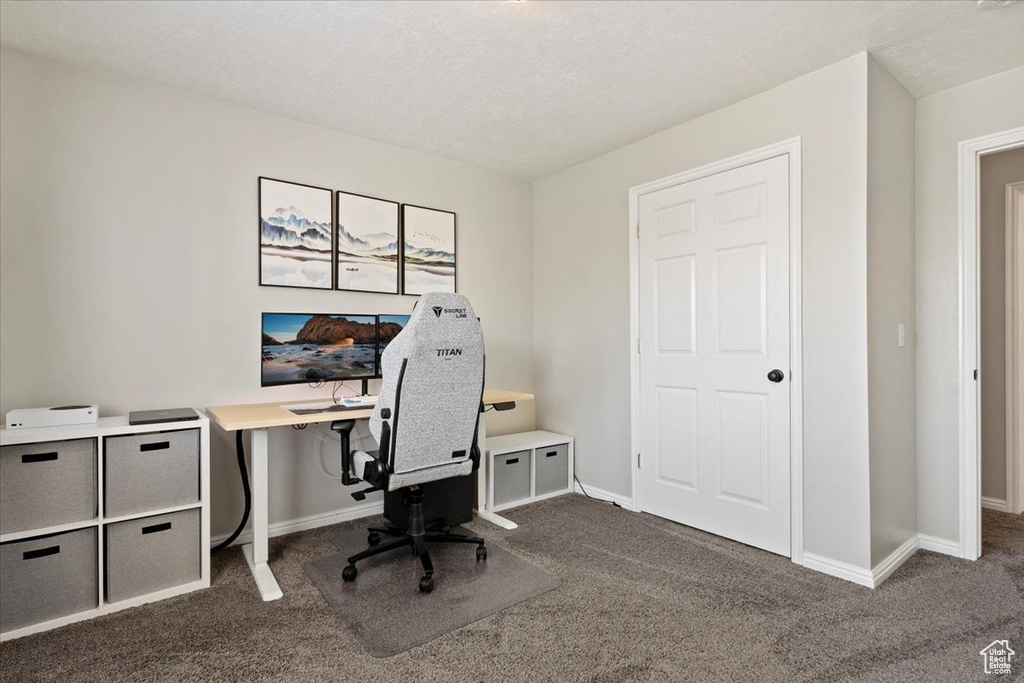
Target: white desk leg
<point x="481" y="481"/>
<point x="256" y="552"/>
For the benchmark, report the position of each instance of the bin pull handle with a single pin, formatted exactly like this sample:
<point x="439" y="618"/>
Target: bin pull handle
<point x="551" y="454"/>
<point x="39" y="457"/>
<point x="158" y="446"/>
<point x="512" y="461"/>
<point x="40" y="552"/>
<point x="156" y="528"/>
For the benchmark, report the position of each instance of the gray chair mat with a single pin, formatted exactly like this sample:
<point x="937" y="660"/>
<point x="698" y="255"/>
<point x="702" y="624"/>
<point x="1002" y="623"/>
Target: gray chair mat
<point x="385" y="608"/>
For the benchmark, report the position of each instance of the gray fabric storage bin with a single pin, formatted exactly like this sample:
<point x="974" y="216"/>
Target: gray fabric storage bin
<point x="46" y="484"/>
<point x="150" y="471"/>
<point x="552" y="469"/>
<point x="48" y="577"/>
<point x="511" y="477"/>
<point x="152" y="553"/>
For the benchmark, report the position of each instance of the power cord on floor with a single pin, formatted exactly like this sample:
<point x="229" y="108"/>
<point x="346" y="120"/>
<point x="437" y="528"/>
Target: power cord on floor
<point x="240" y="452"/>
<point x="602" y="500"/>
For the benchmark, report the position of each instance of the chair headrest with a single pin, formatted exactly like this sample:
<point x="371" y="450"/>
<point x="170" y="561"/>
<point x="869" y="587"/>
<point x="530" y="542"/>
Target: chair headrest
<point x="444" y="305"/>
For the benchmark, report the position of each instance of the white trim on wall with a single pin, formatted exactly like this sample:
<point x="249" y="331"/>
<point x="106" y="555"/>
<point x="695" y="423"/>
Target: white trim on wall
<point x="990" y="503"/>
<point x="600" y="494"/>
<point x="939" y="545"/>
<point x="880" y="572"/>
<point x="791" y="147"/>
<point x="290" y="526"/>
<point x="1014" y="348"/>
<point x="969" y="153"/>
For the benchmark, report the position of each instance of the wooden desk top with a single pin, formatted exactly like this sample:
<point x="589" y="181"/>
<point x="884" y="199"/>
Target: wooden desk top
<point x="259" y="415"/>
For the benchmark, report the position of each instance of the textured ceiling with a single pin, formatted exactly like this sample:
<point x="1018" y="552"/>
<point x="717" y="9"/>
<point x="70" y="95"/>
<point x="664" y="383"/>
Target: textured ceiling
<point x="523" y="87"/>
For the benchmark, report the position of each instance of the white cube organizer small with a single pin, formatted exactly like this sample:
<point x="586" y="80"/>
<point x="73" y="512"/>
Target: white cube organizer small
<point x="526" y="467"/>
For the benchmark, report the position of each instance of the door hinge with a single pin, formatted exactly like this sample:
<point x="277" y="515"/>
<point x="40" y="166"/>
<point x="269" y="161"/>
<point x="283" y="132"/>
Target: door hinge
<point x="638" y="345"/>
<point x="638" y="229"/>
<point x="638" y="461"/>
<point x="975" y="375"/>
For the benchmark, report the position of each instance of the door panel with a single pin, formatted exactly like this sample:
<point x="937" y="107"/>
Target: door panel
<point x="740" y="299"/>
<point x="740" y="205"/>
<point x="714" y="321"/>
<point x="677" y="413"/>
<point x="742" y="434"/>
<point x="674" y="219"/>
<point x="674" y="302"/>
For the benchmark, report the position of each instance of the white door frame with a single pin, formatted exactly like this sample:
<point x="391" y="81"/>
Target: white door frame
<point x="796" y="445"/>
<point x="969" y="153"/>
<point x="1014" y="349"/>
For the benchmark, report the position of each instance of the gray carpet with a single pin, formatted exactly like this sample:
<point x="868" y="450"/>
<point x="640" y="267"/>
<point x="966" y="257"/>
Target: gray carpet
<point x="641" y="599"/>
<point x="387" y="612"/>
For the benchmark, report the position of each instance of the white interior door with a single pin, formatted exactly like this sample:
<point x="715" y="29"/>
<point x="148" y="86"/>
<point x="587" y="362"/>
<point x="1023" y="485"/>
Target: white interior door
<point x="714" y="324"/>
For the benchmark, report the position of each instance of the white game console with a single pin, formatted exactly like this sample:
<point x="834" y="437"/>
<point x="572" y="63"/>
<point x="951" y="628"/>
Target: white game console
<point x="58" y="416"/>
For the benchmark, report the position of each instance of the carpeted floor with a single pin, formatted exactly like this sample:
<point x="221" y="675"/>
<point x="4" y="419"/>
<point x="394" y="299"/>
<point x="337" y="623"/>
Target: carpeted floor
<point x="641" y="599"/>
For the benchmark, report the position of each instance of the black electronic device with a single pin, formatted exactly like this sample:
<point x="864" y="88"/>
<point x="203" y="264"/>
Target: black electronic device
<point x="148" y="417"/>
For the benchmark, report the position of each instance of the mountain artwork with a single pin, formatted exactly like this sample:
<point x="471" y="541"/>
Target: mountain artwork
<point x="296" y="235"/>
<point x="367" y="248"/>
<point x="428" y="250"/>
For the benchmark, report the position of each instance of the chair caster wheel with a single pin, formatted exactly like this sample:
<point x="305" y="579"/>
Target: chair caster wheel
<point x="373" y="539"/>
<point x="481" y="553"/>
<point x="426" y="584"/>
<point x="348" y="574"/>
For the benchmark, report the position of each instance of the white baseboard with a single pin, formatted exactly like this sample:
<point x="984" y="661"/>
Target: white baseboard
<point x="938" y="545"/>
<point x="994" y="504"/>
<point x="841" y="570"/>
<point x="601" y="494"/>
<point x="290" y="526"/>
<point x="883" y="569"/>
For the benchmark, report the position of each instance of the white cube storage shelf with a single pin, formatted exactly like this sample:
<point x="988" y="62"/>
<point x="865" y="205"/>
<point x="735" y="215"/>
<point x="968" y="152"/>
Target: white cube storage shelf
<point x="98" y="518"/>
<point x="526" y="467"/>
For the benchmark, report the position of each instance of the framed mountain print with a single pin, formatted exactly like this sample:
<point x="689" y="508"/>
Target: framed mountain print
<point x="428" y="250"/>
<point x="296" y="235"/>
<point x="367" y="244"/>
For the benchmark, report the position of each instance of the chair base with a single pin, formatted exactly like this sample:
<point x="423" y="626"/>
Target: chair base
<point x="417" y="537"/>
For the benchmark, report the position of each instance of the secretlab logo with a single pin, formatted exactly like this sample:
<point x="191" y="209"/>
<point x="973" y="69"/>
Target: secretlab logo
<point x="457" y="312"/>
<point x="442" y="353"/>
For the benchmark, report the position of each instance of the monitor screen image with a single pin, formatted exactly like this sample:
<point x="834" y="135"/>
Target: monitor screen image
<point x="302" y="347"/>
<point x="388" y="327"/>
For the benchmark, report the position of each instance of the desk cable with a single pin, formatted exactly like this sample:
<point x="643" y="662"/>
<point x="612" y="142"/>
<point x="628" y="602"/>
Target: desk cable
<point x="245" y="490"/>
<point x="602" y="500"/>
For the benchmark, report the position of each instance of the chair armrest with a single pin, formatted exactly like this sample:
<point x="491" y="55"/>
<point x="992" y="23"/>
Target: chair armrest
<point x="344" y="429"/>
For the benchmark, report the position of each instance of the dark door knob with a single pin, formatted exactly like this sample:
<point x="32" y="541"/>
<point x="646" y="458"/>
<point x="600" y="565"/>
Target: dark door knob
<point x="775" y="376"/>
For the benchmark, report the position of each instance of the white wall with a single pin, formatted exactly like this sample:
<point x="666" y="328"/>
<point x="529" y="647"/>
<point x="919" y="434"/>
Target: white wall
<point x="890" y="290"/>
<point x="997" y="171"/>
<point x="128" y="223"/>
<point x="982" y="107"/>
<point x="581" y="310"/>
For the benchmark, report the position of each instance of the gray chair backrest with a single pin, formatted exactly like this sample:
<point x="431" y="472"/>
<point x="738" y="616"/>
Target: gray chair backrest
<point x="433" y="380"/>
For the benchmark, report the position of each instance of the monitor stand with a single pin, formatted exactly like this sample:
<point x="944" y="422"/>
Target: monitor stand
<point x="366" y="387"/>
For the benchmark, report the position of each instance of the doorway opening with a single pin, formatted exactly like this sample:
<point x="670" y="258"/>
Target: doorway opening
<point x="990" y="342"/>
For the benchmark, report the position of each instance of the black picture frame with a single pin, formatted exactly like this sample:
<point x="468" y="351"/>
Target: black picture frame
<point x="405" y="232"/>
<point x="260" y="232"/>
<point x="374" y="372"/>
<point x="338" y="243"/>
